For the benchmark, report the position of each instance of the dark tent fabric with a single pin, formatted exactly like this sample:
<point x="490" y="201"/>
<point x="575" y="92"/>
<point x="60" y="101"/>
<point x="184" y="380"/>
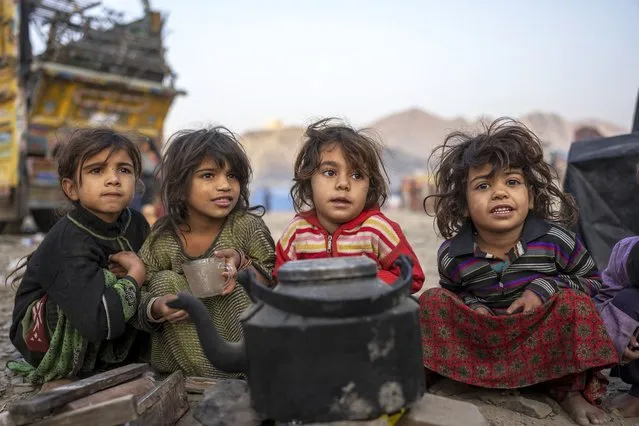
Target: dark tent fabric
<point x="602" y="174"/>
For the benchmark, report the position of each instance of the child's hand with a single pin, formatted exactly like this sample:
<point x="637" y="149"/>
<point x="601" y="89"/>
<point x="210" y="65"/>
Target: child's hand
<point x="527" y="301"/>
<point x="160" y="309"/>
<point x="130" y="263"/>
<point x="482" y="310"/>
<point x="631" y="352"/>
<point x="232" y="259"/>
<point x="117" y="269"/>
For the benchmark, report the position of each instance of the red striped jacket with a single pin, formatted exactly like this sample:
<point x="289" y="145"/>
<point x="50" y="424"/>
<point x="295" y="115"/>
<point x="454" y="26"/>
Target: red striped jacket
<point x="371" y="234"/>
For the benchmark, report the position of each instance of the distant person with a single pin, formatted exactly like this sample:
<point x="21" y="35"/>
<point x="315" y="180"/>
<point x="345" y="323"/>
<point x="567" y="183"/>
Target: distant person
<point x="267" y="199"/>
<point x="341" y="181"/>
<point x="150" y="161"/>
<point x="516" y="285"/>
<point x="205" y="177"/>
<point x="145" y="200"/>
<point x="78" y="296"/>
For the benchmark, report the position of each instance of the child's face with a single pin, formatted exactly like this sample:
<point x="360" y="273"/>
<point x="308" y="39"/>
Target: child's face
<point x="107" y="185"/>
<point x="214" y="192"/>
<point x="498" y="204"/>
<point x="339" y="191"/>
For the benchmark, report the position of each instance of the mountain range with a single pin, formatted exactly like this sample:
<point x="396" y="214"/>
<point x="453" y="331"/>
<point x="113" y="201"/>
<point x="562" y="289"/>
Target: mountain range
<point x="409" y="137"/>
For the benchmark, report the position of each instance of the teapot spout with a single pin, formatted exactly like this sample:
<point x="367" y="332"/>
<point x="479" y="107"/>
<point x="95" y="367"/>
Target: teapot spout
<point x="222" y="354"/>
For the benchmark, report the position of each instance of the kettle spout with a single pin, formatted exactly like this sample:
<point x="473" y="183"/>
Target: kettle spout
<point x="222" y="354"/>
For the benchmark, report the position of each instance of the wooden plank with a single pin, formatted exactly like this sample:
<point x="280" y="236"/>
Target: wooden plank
<point x="165" y="405"/>
<point x="137" y="388"/>
<point x="195" y="384"/>
<point x="43" y="404"/>
<point x="108" y="413"/>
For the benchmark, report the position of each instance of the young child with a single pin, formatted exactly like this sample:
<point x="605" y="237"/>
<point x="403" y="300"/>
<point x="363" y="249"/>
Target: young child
<point x="71" y="312"/>
<point x="514" y="309"/>
<point x="618" y="304"/>
<point x="204" y="186"/>
<point x="340" y="177"/>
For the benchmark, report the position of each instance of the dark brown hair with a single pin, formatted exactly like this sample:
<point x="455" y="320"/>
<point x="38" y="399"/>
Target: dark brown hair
<point x="360" y="149"/>
<point x="504" y="144"/>
<point x="85" y="143"/>
<point x="71" y="155"/>
<point x="186" y="151"/>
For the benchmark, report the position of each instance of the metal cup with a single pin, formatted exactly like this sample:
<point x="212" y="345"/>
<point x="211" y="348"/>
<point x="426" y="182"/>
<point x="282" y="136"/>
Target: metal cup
<point x="205" y="276"/>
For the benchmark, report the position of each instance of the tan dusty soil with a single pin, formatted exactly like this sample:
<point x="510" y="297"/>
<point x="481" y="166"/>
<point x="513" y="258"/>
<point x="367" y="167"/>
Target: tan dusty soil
<point x="419" y="230"/>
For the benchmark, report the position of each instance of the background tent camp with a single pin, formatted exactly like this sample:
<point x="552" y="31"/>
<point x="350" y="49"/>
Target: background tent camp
<point x="603" y="176"/>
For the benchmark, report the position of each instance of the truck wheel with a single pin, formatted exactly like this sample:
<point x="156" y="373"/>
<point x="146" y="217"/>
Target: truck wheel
<point x="44" y="218"/>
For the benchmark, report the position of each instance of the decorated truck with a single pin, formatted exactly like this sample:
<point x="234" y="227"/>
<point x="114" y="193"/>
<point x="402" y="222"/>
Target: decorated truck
<point x="66" y="64"/>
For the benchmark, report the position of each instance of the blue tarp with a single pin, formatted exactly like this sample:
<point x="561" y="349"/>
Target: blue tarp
<point x="278" y="198"/>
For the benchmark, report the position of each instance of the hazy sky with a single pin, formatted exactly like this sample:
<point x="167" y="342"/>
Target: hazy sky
<point x="245" y="62"/>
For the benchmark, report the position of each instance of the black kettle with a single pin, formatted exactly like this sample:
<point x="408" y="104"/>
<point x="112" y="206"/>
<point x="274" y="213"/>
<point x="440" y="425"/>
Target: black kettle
<point x="331" y="342"/>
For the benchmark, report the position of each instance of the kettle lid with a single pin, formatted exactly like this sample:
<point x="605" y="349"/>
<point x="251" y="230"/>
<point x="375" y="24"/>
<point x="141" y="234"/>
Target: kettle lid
<point x="335" y="286"/>
<point x="332" y="268"/>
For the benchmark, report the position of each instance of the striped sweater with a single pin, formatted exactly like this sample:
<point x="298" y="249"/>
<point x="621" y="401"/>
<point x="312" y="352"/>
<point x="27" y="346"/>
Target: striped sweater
<point x="370" y="234"/>
<point x="546" y="259"/>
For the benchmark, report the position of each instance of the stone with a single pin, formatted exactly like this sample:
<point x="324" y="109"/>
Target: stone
<point x="227" y="403"/>
<point x="448" y="387"/>
<point x="519" y="404"/>
<point x="23" y="389"/>
<point x="377" y="422"/>
<point x="434" y="410"/>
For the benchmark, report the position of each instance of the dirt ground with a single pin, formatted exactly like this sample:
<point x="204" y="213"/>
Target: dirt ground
<point x="419" y="231"/>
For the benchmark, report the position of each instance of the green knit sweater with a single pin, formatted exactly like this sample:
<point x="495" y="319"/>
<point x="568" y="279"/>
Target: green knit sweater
<point x="175" y="346"/>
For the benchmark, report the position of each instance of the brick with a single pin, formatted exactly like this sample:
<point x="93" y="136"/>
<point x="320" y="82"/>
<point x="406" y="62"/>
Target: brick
<point x="434" y="410"/>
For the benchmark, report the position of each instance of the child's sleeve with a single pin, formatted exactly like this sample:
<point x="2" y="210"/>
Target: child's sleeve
<point x="284" y="249"/>
<point x="388" y="243"/>
<point x="632" y="266"/>
<point x="391" y="236"/>
<point x="576" y="269"/>
<point x="259" y="246"/>
<point x="96" y="303"/>
<point x="154" y="261"/>
<point x="445" y="267"/>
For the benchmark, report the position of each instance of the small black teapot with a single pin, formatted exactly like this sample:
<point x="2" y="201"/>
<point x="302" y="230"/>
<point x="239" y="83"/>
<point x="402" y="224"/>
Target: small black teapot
<point x="331" y="342"/>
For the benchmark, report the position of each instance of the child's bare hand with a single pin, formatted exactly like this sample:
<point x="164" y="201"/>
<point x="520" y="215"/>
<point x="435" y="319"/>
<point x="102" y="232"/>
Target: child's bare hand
<point x="528" y="301"/>
<point x="130" y="263"/>
<point x="232" y="260"/>
<point x="117" y="269"/>
<point x="482" y="310"/>
<point x="631" y="352"/>
<point x="160" y="309"/>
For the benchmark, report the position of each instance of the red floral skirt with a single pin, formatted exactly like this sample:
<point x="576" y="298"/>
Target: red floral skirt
<point x="562" y="343"/>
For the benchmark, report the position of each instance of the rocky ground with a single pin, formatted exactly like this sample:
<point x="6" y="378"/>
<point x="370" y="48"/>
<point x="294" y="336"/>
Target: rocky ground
<point x="500" y="408"/>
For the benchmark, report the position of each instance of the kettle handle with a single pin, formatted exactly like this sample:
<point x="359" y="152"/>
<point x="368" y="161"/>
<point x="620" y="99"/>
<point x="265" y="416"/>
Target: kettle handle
<point x="305" y="307"/>
<point x="405" y="278"/>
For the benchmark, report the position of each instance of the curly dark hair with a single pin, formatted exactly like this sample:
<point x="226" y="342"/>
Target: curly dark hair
<point x="504" y="144"/>
<point x="186" y="151"/>
<point x="361" y="149"/>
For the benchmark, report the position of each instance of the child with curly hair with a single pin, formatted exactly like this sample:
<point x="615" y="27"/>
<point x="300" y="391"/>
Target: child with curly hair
<point x="515" y="306"/>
